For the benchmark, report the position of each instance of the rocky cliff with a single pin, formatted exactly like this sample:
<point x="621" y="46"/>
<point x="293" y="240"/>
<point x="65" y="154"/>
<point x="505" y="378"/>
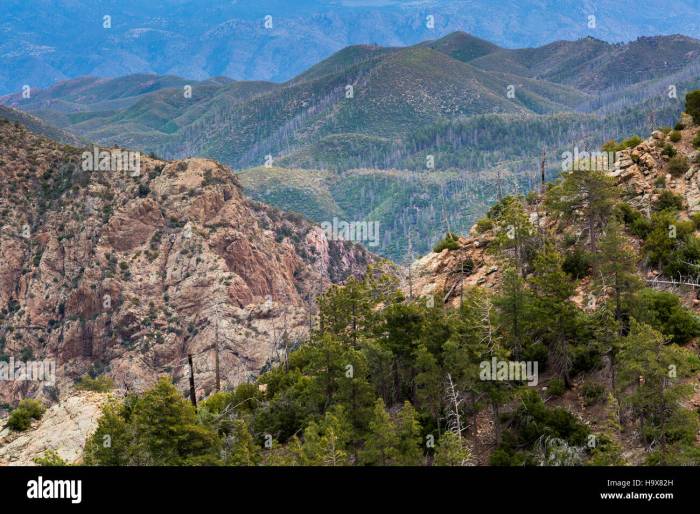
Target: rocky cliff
<point x="642" y="172"/>
<point x="125" y="271"/>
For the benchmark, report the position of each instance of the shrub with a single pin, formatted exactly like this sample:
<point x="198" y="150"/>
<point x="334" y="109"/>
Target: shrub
<point x="577" y="263"/>
<point x="668" y="201"/>
<point x="665" y="312"/>
<point x="101" y="384"/>
<point x="483" y="225"/>
<point x="679" y="126"/>
<point x="660" y="182"/>
<point x="143" y="190"/>
<point x="556" y="387"/>
<point x="450" y="241"/>
<point x="21" y="418"/>
<point x="696" y="140"/>
<point x="634" y="220"/>
<point x="50" y="458"/>
<point x="675" y="136"/>
<point x="669" y="150"/>
<point x="592" y="393"/>
<point x="692" y="105"/>
<point x="678" y="165"/>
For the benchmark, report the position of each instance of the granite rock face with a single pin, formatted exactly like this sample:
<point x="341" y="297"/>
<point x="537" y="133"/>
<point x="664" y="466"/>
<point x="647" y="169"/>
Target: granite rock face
<point x="126" y="272"/>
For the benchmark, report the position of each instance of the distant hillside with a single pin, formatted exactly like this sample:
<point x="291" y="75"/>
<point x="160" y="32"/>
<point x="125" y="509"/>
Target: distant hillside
<point x="459" y="108"/>
<point x="37" y="125"/>
<point x="43" y="43"/>
<point x="397" y="95"/>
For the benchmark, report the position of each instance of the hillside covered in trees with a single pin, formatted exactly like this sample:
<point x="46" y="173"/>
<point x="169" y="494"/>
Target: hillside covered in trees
<point x="595" y="284"/>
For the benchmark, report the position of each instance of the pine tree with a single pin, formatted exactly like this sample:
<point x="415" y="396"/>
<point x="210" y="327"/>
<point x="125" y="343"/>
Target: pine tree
<point x="382" y="441"/>
<point x="617" y="267"/>
<point x="514" y="304"/>
<point x="450" y="451"/>
<point x="244" y="451"/>
<point x="111" y="443"/>
<point x="325" y="441"/>
<point x="409" y="437"/>
<point x="555" y="313"/>
<point x="653" y="369"/>
<point x="585" y="194"/>
<point x="166" y="429"/>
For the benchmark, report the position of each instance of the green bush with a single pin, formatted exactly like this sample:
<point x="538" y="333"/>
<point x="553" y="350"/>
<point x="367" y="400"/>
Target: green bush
<point x="450" y="242"/>
<point x="675" y="136"/>
<point x="634" y="220"/>
<point x="695" y="218"/>
<point x="692" y="105"/>
<point x="483" y="225"/>
<point x="21" y="418"/>
<point x="668" y="201"/>
<point x="51" y="459"/>
<point x="665" y="312"/>
<point x="669" y="150"/>
<point x="577" y="263"/>
<point x="592" y="393"/>
<point x="678" y="165"/>
<point x="679" y="126"/>
<point x="101" y="384"/>
<point x="556" y="387"/>
<point x="696" y="140"/>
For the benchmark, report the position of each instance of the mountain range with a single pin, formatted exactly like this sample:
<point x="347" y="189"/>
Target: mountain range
<point x="45" y="41"/>
<point x="448" y="117"/>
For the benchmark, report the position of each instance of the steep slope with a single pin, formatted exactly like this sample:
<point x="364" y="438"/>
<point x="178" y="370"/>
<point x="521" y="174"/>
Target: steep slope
<point x="37" y="125"/>
<point x="127" y="274"/>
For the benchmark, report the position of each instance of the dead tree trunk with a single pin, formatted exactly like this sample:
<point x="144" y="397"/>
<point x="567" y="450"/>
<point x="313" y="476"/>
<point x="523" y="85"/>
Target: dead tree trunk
<point x="193" y="396"/>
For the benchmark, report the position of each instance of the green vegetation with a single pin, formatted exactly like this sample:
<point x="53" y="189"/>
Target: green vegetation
<point x="21" y="418"/>
<point x="100" y="384"/>
<point x="388" y="380"/>
<point x="50" y="458"/>
<point x="678" y="165"/>
<point x="692" y="105"/>
<point x="449" y="242"/>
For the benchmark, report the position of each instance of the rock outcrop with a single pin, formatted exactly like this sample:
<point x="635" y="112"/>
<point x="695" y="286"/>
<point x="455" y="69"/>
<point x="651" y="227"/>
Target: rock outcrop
<point x="63" y="429"/>
<point x="127" y="273"/>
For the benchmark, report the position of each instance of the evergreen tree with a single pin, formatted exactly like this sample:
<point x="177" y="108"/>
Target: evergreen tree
<point x="382" y="440"/>
<point x="111" y="443"/>
<point x="409" y="437"/>
<point x="617" y="266"/>
<point x="514" y="304"/>
<point x="243" y="451"/>
<point x="587" y="194"/>
<point x="325" y="441"/>
<point x="450" y="451"/>
<point x="556" y="314"/>
<point x="166" y="429"/>
<point x="653" y="369"/>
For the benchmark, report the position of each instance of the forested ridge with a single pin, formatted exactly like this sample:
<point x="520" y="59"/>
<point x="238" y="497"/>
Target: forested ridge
<point x="388" y="377"/>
